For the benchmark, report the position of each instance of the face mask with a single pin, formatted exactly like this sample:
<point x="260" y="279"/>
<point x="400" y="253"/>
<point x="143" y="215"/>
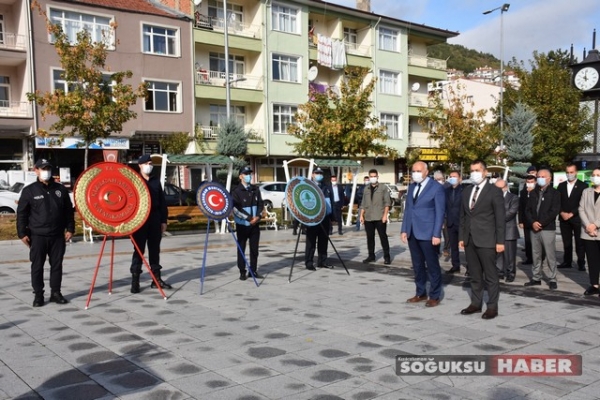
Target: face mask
<point x="493" y="180"/>
<point x="541" y="182"/>
<point x="373" y="181"/>
<point x="595" y="180"/>
<point x="248" y="178"/>
<point x="45" y="175"/>
<point x="571" y="177"/>
<point x="318" y="177"/>
<point x="147" y="169"/>
<point x="417" y="177"/>
<point x="334" y="183"/>
<point x="476" y="177"/>
<point x="453" y="181"/>
<point x="530" y="185"/>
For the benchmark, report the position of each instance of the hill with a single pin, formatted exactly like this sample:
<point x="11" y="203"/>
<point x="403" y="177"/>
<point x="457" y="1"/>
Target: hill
<point x="461" y="58"/>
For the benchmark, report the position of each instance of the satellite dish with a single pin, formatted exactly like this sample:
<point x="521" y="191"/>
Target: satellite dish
<point x="312" y="73"/>
<point x="415" y="86"/>
<point x="197" y="2"/>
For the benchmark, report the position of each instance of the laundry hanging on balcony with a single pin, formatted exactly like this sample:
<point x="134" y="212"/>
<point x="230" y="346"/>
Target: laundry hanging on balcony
<point x="331" y="53"/>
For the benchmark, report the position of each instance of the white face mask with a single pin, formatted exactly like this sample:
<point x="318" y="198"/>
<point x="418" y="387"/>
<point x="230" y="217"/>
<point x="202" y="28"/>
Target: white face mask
<point x="147" y="169"/>
<point x="45" y="175"/>
<point x="373" y="180"/>
<point x="493" y="180"/>
<point x="595" y="180"/>
<point x="334" y="183"/>
<point x="417" y="177"/>
<point x="530" y="185"/>
<point x="571" y="177"/>
<point x="476" y="177"/>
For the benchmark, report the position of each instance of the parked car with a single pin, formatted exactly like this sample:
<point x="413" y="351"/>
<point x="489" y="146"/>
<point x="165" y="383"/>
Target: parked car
<point x="9" y="198"/>
<point x="177" y="196"/>
<point x="273" y="194"/>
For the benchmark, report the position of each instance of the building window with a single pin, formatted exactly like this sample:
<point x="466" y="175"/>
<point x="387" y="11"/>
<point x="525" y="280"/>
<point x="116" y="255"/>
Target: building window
<point x="284" y="19"/>
<point x="1" y="29"/>
<point x="389" y="82"/>
<point x="73" y="22"/>
<point x="163" y="96"/>
<point x="4" y="91"/>
<point x="285" y="68"/>
<point x="160" y="40"/>
<point x="283" y="116"/>
<point x="392" y="123"/>
<point x="388" y="39"/>
<point x="237" y="65"/>
<point x="235" y="12"/>
<point x="218" y="115"/>
<point x="350" y="38"/>
<point x="60" y="83"/>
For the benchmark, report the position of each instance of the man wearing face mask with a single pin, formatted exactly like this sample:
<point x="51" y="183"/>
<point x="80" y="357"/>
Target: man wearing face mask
<point x="247" y="208"/>
<point x="541" y="211"/>
<point x="528" y="187"/>
<point x="506" y="261"/>
<point x="422" y="230"/>
<point x="339" y="201"/>
<point x="152" y="230"/>
<point x="317" y="237"/>
<point x="570" y="223"/>
<point x="45" y="221"/>
<point x="482" y="226"/>
<point x="453" y="208"/>
<point x="375" y="205"/>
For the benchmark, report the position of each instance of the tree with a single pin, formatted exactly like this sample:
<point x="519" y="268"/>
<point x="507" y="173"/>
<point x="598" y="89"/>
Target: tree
<point x="459" y="129"/>
<point x="95" y="104"/>
<point x="232" y="141"/>
<point x="340" y="123"/>
<point x="518" y="136"/>
<point x="175" y="143"/>
<point x="561" y="124"/>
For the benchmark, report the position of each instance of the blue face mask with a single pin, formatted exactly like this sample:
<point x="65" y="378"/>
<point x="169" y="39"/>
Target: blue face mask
<point x="248" y="178"/>
<point x="318" y="177"/>
<point x="541" y="182"/>
<point x="453" y="180"/>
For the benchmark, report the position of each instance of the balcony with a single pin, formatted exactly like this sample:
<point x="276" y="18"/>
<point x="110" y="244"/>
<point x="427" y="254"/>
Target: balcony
<point x="11" y="41"/>
<point x="357" y="49"/>
<point x="15" y="109"/>
<point x="239" y="81"/>
<point x="421" y="139"/>
<point x="427" y="62"/>
<point x="211" y="133"/>
<point x="418" y="99"/>
<point x="233" y="27"/>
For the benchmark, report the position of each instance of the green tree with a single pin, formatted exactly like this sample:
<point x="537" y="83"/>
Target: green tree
<point x="341" y="123"/>
<point x="232" y="141"/>
<point x="459" y="129"/>
<point x="95" y="105"/>
<point x="562" y="125"/>
<point x="518" y="136"/>
<point x="175" y="143"/>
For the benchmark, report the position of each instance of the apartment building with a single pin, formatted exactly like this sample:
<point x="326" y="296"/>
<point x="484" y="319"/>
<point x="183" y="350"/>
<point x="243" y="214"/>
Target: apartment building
<point x="150" y="40"/>
<point x="276" y="52"/>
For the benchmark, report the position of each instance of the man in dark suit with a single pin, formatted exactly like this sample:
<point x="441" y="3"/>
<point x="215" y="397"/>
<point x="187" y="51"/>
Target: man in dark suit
<point x="482" y="236"/>
<point x="453" y="204"/>
<point x="422" y="228"/>
<point x="317" y="237"/>
<point x="541" y="212"/>
<point x="506" y="261"/>
<point x="339" y="201"/>
<point x="570" y="223"/>
<point x="524" y="195"/>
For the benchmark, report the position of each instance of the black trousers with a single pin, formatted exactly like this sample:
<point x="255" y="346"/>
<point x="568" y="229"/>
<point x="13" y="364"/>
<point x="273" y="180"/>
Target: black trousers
<point x="592" y="251"/>
<point x="370" y="227"/>
<point x="569" y="229"/>
<point x="453" y="240"/>
<point x="149" y="234"/>
<point x="528" y="248"/>
<point x="316" y="233"/>
<point x="248" y="234"/>
<point x="53" y="247"/>
<point x="484" y="275"/>
<point x="337" y="214"/>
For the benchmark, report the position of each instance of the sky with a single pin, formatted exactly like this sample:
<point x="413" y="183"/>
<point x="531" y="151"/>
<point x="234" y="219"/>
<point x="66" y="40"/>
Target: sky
<point x="528" y="25"/>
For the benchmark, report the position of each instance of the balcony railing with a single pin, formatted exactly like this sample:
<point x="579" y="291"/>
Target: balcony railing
<point x="421" y="139"/>
<point x="418" y="99"/>
<point x="13" y="41"/>
<point x="217" y="78"/>
<point x="427" y="62"/>
<point x="212" y="133"/>
<point x="358" y="49"/>
<point x="15" y="109"/>
<point x="233" y="27"/>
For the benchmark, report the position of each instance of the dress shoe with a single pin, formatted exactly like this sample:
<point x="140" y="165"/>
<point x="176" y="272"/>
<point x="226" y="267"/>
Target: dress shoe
<point x="470" y="310"/>
<point x="311" y="268"/>
<point x="243" y="276"/>
<point x="432" y="302"/>
<point x="417" y="299"/>
<point x="552" y="285"/>
<point x="565" y="265"/>
<point x="294" y="232"/>
<point x="591" y="290"/>
<point x="510" y="279"/>
<point x="490" y="313"/>
<point x="527" y="262"/>
<point x="258" y="276"/>
<point x="533" y="283"/>
<point x="163" y="284"/>
<point x="387" y="261"/>
<point x="58" y="298"/>
<point x="368" y="260"/>
<point x="500" y="276"/>
<point x="340" y="233"/>
<point x="453" y="270"/>
<point x="582" y="268"/>
<point x="326" y="266"/>
<point x="38" y="301"/>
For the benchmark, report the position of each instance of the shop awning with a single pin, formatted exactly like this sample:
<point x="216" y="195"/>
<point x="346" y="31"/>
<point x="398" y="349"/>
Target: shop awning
<point x="199" y="159"/>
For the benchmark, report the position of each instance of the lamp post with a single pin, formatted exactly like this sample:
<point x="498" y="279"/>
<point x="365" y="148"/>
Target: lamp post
<point x="503" y="8"/>
<point x="227" y="83"/>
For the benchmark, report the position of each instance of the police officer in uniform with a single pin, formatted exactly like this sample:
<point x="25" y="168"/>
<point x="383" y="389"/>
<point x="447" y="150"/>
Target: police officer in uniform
<point x="247" y="208"/>
<point x="319" y="232"/>
<point x="45" y="221"/>
<point x="152" y="230"/>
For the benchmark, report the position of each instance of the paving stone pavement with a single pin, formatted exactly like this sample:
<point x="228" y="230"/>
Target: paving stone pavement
<point x="326" y="335"/>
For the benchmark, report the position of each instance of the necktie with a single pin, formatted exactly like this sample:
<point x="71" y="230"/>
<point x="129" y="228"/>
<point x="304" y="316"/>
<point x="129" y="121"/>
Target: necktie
<point x="418" y="192"/>
<point x="474" y="197"/>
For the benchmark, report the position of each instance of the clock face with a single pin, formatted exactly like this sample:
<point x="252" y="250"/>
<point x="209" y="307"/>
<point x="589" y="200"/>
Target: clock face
<point x="586" y="78"/>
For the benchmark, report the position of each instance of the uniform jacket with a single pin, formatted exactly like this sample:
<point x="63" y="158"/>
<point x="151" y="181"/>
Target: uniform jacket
<point x="589" y="212"/>
<point x="511" y="209"/>
<point x="549" y="208"/>
<point x="484" y="226"/>
<point x="375" y="204"/>
<point x="158" y="207"/>
<point x="247" y="203"/>
<point x="568" y="203"/>
<point x="425" y="217"/>
<point x="45" y="210"/>
<point x="453" y="203"/>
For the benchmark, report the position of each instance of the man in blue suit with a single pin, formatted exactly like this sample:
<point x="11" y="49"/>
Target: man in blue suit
<point x="422" y="229"/>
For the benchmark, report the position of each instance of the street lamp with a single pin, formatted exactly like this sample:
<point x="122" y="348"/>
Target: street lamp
<point x="503" y="8"/>
<point x="227" y="83"/>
